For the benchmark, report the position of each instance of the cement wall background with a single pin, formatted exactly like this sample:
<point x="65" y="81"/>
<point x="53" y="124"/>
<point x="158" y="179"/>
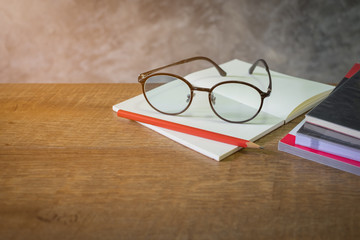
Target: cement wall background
<point x="112" y="41"/>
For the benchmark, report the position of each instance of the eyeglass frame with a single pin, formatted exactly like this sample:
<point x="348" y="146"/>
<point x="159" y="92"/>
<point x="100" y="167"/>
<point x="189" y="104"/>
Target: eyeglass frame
<point x="146" y="75"/>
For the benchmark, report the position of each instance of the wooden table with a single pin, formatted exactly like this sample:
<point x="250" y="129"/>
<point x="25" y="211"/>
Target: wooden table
<point x="70" y="169"/>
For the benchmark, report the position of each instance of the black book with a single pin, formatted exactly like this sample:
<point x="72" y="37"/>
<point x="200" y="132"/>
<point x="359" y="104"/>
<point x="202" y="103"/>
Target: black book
<point x="340" y="111"/>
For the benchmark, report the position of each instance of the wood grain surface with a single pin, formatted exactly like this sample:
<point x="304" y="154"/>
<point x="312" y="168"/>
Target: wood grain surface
<point x="71" y="169"/>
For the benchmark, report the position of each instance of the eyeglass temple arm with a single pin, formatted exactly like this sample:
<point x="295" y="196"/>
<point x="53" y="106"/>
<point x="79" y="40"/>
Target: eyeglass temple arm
<point x="218" y="68"/>
<point x="252" y="68"/>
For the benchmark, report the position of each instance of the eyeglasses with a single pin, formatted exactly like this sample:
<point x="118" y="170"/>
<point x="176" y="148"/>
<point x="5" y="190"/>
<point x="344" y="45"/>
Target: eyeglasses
<point x="233" y="101"/>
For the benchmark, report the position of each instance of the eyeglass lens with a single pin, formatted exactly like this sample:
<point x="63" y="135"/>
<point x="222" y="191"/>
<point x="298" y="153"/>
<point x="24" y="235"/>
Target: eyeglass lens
<point x="235" y="101"/>
<point x="167" y="94"/>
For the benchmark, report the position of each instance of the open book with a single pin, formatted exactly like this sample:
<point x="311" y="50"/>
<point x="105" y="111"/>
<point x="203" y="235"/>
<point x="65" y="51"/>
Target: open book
<point x="289" y="98"/>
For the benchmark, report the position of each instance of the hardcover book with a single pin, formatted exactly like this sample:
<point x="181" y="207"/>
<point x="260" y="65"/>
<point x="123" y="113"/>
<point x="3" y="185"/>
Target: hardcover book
<point x="341" y="110"/>
<point x="326" y="140"/>
<point x="288" y="144"/>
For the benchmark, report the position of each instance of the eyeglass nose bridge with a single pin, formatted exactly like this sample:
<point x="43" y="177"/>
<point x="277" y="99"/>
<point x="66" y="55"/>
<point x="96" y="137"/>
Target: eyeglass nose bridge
<point x="201" y="89"/>
<point x="212" y="98"/>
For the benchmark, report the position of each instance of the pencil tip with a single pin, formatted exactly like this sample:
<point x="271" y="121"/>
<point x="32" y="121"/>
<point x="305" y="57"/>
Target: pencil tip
<point x="253" y="145"/>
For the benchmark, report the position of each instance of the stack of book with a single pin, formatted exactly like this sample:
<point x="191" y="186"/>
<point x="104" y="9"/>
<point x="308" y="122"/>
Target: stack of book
<point x="194" y="128"/>
<point x="330" y="133"/>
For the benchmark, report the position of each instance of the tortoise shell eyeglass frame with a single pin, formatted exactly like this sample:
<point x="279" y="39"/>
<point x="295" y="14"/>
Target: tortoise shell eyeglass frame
<point x="144" y="76"/>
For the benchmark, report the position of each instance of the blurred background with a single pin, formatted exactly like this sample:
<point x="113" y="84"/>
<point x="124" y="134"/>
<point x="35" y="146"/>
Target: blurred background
<point x="112" y="41"/>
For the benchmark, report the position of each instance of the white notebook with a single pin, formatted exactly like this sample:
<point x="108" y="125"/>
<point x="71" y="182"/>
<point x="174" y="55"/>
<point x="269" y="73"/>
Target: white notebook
<point x="289" y="98"/>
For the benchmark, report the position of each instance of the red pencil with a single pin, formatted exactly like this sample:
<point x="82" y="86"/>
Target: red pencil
<point x="189" y="130"/>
